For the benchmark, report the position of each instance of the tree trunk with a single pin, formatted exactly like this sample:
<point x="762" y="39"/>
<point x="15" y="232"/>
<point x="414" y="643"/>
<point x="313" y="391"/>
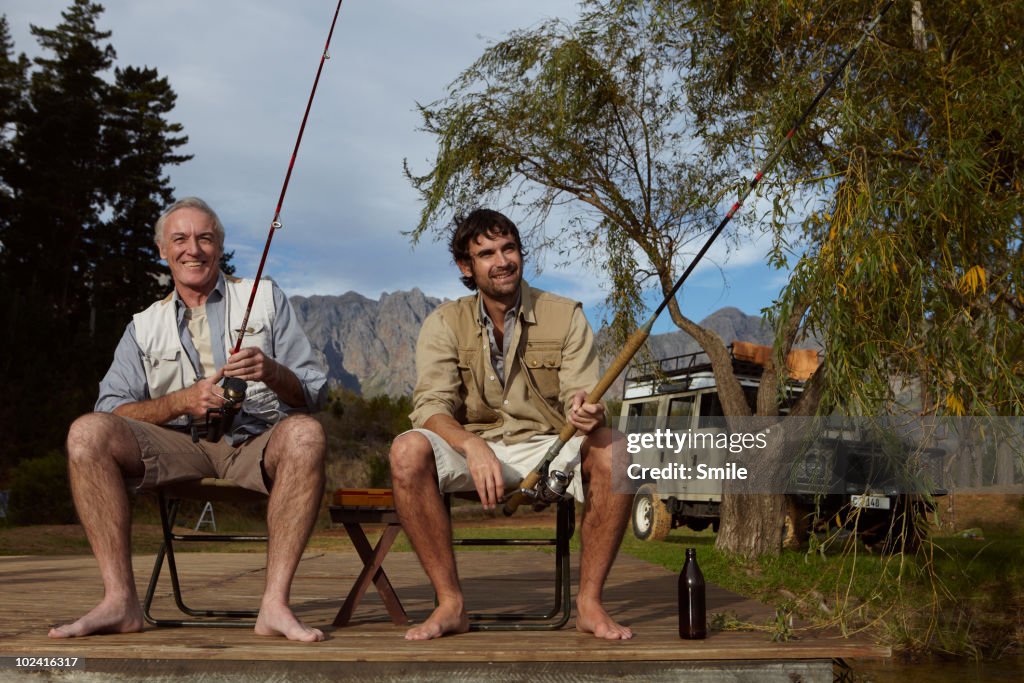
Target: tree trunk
<point x="1006" y="465"/>
<point x="752" y="525"/>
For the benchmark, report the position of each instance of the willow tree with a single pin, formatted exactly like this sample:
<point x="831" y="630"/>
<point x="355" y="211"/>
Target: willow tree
<point x="911" y="264"/>
<point x="591" y="117"/>
<point x="634" y="117"/>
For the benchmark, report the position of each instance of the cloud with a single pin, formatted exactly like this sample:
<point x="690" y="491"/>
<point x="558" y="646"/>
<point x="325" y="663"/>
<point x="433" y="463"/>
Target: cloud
<point x="243" y="70"/>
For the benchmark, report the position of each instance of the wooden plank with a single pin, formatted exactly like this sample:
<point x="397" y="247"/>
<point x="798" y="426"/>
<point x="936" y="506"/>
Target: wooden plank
<point x="38" y="591"/>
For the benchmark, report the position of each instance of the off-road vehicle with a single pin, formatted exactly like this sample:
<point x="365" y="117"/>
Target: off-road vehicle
<point x="842" y="480"/>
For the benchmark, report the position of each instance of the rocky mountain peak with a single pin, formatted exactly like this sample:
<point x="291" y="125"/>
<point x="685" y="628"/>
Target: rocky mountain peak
<point x="369" y="347"/>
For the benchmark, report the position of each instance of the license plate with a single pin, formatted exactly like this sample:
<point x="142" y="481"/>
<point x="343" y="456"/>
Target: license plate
<point x="871" y="502"/>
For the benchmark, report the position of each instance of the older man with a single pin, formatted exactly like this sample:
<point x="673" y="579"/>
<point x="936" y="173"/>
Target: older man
<point x="498" y="374"/>
<point x="164" y="378"/>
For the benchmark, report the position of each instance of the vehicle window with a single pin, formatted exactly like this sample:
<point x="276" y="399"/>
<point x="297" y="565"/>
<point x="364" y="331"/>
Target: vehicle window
<point x="680" y="407"/>
<point x="645" y="409"/>
<point x="710" y="407"/>
<point x="750" y="393"/>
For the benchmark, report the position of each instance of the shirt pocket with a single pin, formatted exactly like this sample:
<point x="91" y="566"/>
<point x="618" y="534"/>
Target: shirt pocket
<point x="466" y="362"/>
<point x="543" y="361"/>
<point x="474" y="409"/>
<point x="163" y="371"/>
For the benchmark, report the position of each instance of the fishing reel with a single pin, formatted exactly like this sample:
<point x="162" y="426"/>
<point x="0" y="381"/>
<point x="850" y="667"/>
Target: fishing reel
<point x="220" y="420"/>
<point x="548" y="490"/>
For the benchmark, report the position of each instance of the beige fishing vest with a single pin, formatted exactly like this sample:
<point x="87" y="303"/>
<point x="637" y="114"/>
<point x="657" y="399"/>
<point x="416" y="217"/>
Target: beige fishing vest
<point x="540" y="380"/>
<point x="167" y="366"/>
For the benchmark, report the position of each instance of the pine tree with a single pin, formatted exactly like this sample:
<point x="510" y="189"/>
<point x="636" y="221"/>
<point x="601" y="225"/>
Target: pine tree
<point x="140" y="142"/>
<point x="83" y="182"/>
<point x="13" y="80"/>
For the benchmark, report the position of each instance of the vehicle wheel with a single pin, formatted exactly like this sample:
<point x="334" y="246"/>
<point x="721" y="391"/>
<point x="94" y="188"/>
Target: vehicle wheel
<point x="797" y="524"/>
<point x="651" y="519"/>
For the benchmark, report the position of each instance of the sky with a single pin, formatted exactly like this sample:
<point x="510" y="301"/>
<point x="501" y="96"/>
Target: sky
<point x="243" y="70"/>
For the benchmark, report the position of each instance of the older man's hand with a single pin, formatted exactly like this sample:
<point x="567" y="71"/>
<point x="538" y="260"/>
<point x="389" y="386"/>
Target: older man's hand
<point x="252" y="365"/>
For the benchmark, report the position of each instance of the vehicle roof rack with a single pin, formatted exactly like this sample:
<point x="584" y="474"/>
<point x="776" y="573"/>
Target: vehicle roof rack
<point x="686" y="365"/>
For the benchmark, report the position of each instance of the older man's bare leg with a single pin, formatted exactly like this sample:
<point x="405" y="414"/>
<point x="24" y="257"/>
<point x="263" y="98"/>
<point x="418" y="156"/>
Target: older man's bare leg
<point x="101" y="453"/>
<point x="425" y="521"/>
<point x="604" y="522"/>
<point x="294" y="460"/>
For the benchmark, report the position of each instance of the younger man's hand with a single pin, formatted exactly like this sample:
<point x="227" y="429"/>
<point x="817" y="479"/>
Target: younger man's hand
<point x="485" y="468"/>
<point x="586" y="417"/>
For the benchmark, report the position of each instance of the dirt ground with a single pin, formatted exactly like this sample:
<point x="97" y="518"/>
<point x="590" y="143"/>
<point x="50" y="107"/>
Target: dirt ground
<point x="70" y="539"/>
<point x="966" y="510"/>
<point x="956" y="512"/>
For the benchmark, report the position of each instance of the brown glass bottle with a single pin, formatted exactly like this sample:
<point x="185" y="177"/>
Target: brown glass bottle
<point x="693" y="622"/>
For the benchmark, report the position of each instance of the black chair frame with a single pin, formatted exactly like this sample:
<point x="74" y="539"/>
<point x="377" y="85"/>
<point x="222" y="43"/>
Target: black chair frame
<point x="170" y="498"/>
<point x="561" y="608"/>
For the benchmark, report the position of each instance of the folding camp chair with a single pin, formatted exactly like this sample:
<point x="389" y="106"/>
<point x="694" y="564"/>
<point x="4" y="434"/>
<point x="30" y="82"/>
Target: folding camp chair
<point x="170" y="497"/>
<point x="561" y="607"/>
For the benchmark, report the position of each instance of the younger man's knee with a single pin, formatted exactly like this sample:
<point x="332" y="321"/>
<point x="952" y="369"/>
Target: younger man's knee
<point x="410" y="454"/>
<point x="602" y="445"/>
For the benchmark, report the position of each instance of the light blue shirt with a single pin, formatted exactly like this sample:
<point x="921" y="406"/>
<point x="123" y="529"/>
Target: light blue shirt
<point x="498" y="355"/>
<point x="125" y="381"/>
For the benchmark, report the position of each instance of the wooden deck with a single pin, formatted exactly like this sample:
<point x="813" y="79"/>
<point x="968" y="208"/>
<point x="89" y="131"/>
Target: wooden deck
<point x="38" y="591"/>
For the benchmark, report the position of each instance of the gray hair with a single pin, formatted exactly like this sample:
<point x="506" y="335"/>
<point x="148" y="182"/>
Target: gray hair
<point x="189" y="203"/>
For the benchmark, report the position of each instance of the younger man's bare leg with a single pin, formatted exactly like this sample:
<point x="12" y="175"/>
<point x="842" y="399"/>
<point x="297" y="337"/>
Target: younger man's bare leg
<point x="294" y="460"/>
<point x="604" y="522"/>
<point x="425" y="521"/>
<point x="101" y="452"/>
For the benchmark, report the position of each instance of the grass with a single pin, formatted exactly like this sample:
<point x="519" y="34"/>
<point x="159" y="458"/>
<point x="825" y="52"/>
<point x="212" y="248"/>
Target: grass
<point x="956" y="596"/>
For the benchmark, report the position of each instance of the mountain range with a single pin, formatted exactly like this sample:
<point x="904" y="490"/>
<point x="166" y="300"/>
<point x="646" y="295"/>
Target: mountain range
<point x="369" y="347"/>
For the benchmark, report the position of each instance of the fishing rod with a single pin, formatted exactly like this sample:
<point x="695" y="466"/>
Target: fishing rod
<point x="219" y="420"/>
<point x="275" y="224"/>
<point x="543" y="488"/>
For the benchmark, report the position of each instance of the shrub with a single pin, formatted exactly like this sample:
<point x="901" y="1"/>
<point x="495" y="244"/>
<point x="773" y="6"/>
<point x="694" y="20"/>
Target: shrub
<point x="40" y="493"/>
<point x="378" y="470"/>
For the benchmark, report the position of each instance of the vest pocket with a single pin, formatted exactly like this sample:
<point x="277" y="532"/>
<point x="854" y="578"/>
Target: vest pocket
<point x="543" y="361"/>
<point x="255" y="335"/>
<point x="163" y="371"/>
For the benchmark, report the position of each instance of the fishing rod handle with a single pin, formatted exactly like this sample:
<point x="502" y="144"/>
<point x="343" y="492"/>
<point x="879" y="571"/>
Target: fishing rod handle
<point x="629" y="349"/>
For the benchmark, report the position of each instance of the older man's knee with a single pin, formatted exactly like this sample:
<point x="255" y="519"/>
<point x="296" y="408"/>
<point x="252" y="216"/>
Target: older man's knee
<point x="302" y="440"/>
<point x="96" y="436"/>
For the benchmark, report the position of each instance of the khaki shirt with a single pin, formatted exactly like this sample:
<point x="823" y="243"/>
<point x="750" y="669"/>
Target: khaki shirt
<point x="552" y="357"/>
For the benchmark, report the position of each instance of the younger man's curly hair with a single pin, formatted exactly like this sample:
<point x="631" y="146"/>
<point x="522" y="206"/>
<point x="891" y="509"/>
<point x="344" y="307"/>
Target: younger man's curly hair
<point x="476" y="223"/>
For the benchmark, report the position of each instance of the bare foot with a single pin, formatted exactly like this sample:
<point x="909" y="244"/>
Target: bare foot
<point x="446" y="618"/>
<point x="110" y="616"/>
<point x="591" y="618"/>
<point x="279" y="620"/>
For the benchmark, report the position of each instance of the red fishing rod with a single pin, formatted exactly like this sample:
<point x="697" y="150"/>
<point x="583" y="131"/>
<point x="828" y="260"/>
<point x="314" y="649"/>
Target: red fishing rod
<point x="219" y="420"/>
<point x="275" y="224"/>
<point x="540" y="488"/>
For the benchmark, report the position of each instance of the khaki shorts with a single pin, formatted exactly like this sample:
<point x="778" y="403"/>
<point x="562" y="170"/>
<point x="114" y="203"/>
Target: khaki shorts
<point x="171" y="456"/>
<point x="517" y="460"/>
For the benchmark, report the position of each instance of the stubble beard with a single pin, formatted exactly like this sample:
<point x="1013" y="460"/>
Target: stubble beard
<point x="505" y="289"/>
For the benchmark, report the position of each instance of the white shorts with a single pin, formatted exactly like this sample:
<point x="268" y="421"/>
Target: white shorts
<point x="517" y="460"/>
